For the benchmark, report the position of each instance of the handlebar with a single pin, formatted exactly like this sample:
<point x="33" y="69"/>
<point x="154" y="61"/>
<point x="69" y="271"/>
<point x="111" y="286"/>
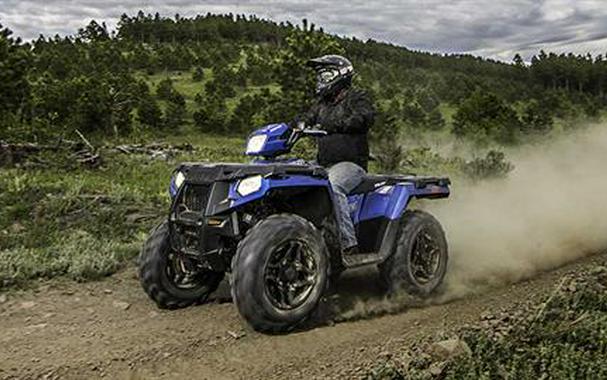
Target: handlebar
<point x="300" y="129"/>
<point x="315" y="130"/>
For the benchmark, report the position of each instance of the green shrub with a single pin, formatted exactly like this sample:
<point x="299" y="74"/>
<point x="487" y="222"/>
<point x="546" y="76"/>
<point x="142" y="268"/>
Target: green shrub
<point x="165" y="89"/>
<point x="198" y="74"/>
<point x="79" y="256"/>
<point x="485" y="118"/>
<point x="493" y="165"/>
<point x="563" y="338"/>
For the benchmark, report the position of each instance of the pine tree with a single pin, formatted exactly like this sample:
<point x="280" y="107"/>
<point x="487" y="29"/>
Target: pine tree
<point x="14" y="66"/>
<point x="94" y="32"/>
<point x="175" y="112"/>
<point x="385" y="138"/>
<point x="536" y="118"/>
<point x="242" y="117"/>
<point x="198" y="74"/>
<point x="435" y="120"/>
<point x="149" y="113"/>
<point x="165" y="89"/>
<point x="211" y="115"/>
<point x="199" y="98"/>
<point x="484" y="117"/>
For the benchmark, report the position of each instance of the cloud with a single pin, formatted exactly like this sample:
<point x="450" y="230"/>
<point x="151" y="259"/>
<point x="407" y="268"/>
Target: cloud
<point x="498" y="29"/>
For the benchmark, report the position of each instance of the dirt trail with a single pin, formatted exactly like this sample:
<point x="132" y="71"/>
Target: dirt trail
<point x="110" y="329"/>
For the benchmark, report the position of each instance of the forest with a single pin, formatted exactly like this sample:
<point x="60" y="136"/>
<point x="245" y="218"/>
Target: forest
<point x="239" y="72"/>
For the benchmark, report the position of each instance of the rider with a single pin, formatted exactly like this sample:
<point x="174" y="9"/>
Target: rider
<point x="346" y="113"/>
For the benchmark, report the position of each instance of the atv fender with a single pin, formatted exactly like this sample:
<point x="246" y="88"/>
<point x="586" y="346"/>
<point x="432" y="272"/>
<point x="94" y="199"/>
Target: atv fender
<point x="309" y="197"/>
<point x="268" y="184"/>
<point x="391" y="201"/>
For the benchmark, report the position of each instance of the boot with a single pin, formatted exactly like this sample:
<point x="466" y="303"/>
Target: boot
<point x="351" y="250"/>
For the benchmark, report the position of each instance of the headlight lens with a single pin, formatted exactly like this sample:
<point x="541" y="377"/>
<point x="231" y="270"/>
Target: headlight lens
<point x="249" y="185"/>
<point x="179" y="179"/>
<point x="256" y="143"/>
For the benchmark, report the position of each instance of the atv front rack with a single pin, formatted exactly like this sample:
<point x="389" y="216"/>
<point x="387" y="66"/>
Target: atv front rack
<point x="210" y="173"/>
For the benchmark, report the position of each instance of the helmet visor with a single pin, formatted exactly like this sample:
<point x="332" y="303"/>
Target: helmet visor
<point x="327" y="76"/>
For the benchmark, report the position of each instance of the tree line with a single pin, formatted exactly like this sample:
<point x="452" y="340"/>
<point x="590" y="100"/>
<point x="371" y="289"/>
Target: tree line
<point x="249" y="71"/>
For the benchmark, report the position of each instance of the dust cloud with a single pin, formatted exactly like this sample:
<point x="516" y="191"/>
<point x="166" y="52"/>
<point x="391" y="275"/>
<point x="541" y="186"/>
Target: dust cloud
<point x="552" y="209"/>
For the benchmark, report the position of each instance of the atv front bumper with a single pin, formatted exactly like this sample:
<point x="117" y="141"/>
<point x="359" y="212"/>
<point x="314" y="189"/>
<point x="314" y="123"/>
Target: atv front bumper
<point x="197" y="230"/>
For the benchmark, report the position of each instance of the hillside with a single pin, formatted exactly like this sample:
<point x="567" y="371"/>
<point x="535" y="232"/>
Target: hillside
<point x="231" y="73"/>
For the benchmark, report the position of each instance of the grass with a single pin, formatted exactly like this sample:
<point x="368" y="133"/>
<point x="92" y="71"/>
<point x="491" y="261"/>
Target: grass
<point x="183" y="83"/>
<point x="566" y="338"/>
<point x="62" y="220"/>
<point x="563" y="338"/>
<point x="448" y="111"/>
<point x="78" y="255"/>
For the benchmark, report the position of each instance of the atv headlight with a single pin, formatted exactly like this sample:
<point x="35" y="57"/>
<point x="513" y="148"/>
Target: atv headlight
<point x="256" y="143"/>
<point x="179" y="179"/>
<point x="249" y="185"/>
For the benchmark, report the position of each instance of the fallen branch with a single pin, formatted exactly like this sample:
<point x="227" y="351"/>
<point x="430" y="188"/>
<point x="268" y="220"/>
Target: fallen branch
<point x="545" y="305"/>
<point x="85" y="140"/>
<point x="154" y="150"/>
<point x="11" y="154"/>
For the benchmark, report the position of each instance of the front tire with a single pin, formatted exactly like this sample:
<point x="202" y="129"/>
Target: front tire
<point x="280" y="273"/>
<point x="419" y="262"/>
<point x="165" y="278"/>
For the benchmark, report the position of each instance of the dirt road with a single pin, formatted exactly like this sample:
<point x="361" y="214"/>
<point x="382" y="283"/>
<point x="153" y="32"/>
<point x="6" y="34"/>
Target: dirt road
<point x="110" y="329"/>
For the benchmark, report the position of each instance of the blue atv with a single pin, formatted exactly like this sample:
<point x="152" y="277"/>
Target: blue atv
<point x="271" y="224"/>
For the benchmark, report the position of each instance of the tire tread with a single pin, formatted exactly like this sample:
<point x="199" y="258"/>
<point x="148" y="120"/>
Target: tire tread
<point x="149" y="276"/>
<point x="248" y="306"/>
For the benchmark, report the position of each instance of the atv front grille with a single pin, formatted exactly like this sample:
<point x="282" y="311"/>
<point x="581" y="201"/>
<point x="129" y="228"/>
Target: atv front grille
<point x="196" y="197"/>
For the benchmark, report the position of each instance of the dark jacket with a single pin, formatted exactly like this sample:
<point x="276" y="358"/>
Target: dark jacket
<point x="347" y="118"/>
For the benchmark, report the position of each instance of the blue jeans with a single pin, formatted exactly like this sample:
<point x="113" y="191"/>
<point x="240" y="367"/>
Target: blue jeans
<point x="344" y="177"/>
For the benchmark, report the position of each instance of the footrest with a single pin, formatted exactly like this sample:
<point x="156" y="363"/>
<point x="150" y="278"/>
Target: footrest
<point x="353" y="261"/>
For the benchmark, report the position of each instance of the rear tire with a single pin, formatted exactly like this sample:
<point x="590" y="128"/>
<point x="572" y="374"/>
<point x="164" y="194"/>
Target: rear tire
<point x="157" y="274"/>
<point x="419" y="262"/>
<point x="280" y="273"/>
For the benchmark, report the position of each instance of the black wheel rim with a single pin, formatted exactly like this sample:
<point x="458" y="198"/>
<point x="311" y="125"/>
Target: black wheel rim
<point x="425" y="257"/>
<point x="291" y="274"/>
<point x="183" y="274"/>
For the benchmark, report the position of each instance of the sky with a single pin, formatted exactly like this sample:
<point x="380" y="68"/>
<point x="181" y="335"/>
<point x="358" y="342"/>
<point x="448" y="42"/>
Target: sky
<point x="495" y="29"/>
